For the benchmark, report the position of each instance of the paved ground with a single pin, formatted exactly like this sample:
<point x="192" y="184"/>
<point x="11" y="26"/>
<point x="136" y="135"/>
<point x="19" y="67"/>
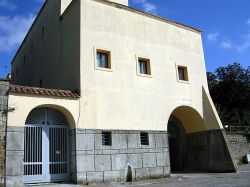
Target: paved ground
<point x="240" y="179"/>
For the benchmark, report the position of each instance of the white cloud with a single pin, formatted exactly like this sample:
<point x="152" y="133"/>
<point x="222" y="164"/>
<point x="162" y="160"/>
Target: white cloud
<point x="245" y="44"/>
<point x="246" y="40"/>
<point x="7" y="4"/>
<point x="213" y="36"/>
<point x="226" y="44"/>
<point x="147" y="6"/>
<point x="13" y="31"/>
<point x="248" y="22"/>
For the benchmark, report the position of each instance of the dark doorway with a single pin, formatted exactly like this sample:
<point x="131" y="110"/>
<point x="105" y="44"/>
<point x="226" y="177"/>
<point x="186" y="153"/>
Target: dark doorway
<point x="177" y="146"/>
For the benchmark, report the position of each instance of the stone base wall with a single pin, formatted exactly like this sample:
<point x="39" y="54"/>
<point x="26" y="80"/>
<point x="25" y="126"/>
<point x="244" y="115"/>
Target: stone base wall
<point x="97" y="163"/>
<point x="4" y="86"/>
<point x="14" y="156"/>
<point x="209" y="151"/>
<point x="126" y="159"/>
<point x="239" y="144"/>
<point x="92" y="162"/>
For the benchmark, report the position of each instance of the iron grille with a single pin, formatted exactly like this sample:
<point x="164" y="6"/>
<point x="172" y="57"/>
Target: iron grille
<point x="144" y="138"/>
<point x="106" y="138"/>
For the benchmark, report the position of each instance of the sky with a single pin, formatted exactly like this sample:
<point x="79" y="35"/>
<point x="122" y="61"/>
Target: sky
<point x="225" y="25"/>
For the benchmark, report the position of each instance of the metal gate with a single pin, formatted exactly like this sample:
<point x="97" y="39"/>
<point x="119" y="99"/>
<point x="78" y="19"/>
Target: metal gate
<point x="46" y="146"/>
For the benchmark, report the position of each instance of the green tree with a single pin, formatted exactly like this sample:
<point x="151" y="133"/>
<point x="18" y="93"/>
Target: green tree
<point x="230" y="90"/>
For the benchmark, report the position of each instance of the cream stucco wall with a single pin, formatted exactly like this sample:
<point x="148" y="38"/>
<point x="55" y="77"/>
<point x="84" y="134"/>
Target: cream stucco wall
<point x="23" y="105"/>
<point x="64" y="5"/>
<point x="123" y="2"/>
<point x="120" y="98"/>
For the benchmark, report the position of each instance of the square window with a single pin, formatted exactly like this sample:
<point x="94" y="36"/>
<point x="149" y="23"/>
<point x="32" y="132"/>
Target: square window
<point x="144" y="66"/>
<point x="16" y="72"/>
<point x="103" y="59"/>
<point x="41" y="83"/>
<point x="31" y="49"/>
<point x="43" y="32"/>
<point x="106" y="138"/>
<point x="144" y="138"/>
<point x="182" y="73"/>
<point x="24" y="59"/>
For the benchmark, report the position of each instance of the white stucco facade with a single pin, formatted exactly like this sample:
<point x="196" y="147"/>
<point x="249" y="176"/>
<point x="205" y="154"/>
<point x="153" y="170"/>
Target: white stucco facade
<point x="120" y="98"/>
<point x="138" y="113"/>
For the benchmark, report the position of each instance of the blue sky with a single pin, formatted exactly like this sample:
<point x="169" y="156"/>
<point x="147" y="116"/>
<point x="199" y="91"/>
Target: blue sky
<point x="225" y="25"/>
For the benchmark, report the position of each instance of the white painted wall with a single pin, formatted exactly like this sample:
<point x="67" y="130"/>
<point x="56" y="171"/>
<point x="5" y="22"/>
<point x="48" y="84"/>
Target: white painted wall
<point x="64" y="5"/>
<point x="23" y="105"/>
<point x="118" y="98"/>
<point x="123" y="2"/>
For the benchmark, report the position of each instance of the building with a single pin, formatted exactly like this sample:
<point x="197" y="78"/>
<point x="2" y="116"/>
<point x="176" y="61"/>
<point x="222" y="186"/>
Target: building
<point x="103" y="92"/>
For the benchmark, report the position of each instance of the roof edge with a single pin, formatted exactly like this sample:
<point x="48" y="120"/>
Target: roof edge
<point x="31" y="27"/>
<point x="121" y="6"/>
<point x="117" y="5"/>
<point x="43" y="91"/>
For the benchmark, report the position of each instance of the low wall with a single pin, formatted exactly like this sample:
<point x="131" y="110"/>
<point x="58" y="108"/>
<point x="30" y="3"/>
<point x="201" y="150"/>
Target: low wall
<point x="4" y="86"/>
<point x="239" y="144"/>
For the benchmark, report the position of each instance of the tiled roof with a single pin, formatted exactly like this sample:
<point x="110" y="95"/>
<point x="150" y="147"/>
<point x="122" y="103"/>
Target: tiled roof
<point x="42" y="91"/>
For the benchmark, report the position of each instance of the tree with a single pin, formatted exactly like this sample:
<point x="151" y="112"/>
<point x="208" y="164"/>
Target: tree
<point x="230" y="90"/>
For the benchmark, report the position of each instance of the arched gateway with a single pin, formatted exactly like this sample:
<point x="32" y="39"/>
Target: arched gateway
<point x="46" y="146"/>
<point x="195" y="147"/>
<point x="177" y="145"/>
<point x="183" y="122"/>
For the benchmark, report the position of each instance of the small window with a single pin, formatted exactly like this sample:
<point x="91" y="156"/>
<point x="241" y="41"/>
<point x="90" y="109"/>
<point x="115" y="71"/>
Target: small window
<point x="16" y="72"/>
<point x="144" y="138"/>
<point x="43" y="32"/>
<point x="182" y="73"/>
<point x="41" y="83"/>
<point x="103" y="59"/>
<point x="144" y="66"/>
<point x="31" y="49"/>
<point x="24" y="59"/>
<point x="106" y="138"/>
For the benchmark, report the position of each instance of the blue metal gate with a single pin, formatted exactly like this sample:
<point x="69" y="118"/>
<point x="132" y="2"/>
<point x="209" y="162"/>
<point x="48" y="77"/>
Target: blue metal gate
<point x="46" y="146"/>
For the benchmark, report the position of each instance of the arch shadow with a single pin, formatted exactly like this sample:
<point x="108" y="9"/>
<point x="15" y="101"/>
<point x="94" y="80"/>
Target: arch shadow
<point x="194" y="148"/>
<point x="182" y="121"/>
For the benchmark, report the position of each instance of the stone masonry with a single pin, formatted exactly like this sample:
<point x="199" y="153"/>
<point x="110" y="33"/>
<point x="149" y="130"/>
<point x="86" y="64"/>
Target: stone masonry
<point x="93" y="162"/>
<point x="4" y="86"/>
<point x="239" y="144"/>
